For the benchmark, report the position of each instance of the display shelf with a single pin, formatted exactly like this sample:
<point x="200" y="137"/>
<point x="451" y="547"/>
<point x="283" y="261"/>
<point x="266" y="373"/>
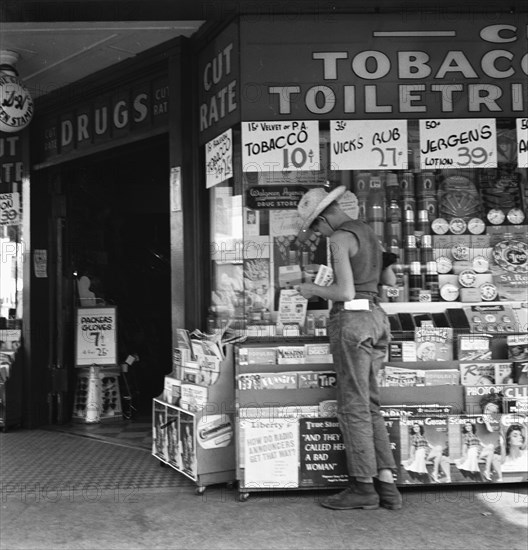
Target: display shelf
<point x="275" y="428"/>
<point x="199" y="443"/>
<point x="438" y="307"/>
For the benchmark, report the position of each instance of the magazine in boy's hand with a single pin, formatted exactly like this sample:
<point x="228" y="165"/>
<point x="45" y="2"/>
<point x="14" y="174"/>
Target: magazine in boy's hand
<point x="325" y="276"/>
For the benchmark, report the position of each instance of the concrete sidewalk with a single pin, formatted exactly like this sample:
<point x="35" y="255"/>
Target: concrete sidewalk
<point x="62" y="491"/>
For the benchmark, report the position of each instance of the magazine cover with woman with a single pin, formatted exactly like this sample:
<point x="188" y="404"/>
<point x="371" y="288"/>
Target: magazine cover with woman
<point x="425" y="450"/>
<point x="477" y="448"/>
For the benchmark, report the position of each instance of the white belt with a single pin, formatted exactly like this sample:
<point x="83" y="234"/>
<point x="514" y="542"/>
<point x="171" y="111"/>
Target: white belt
<point x="361" y="304"/>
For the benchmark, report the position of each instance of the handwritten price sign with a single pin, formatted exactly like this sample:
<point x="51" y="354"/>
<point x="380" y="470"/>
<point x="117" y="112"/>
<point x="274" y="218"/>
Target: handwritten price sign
<point x="522" y="142"/>
<point x="219" y="159"/>
<point x="368" y="144"/>
<point x="96" y="339"/>
<point x="280" y="146"/>
<point x="459" y="143"/>
<point x="9" y="208"/>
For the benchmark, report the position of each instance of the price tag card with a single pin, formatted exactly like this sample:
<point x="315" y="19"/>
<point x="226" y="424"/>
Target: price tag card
<point x="9" y="208"/>
<point x="219" y="159"/>
<point x="459" y="143"/>
<point x="368" y="144"/>
<point x="280" y="146"/>
<point x="96" y="336"/>
<point x="522" y="142"/>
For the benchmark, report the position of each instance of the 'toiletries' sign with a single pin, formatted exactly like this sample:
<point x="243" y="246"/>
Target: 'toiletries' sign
<point x="383" y="66"/>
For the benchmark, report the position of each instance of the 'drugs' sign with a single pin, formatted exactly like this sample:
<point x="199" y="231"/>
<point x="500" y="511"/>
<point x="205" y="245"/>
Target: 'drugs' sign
<point x="96" y="336"/>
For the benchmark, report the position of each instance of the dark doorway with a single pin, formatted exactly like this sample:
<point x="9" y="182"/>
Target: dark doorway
<point x="117" y="233"/>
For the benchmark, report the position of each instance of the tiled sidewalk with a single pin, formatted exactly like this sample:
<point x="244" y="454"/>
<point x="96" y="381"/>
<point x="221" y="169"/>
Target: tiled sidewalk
<point x="51" y="460"/>
<point x="63" y="491"/>
<point x="136" y="433"/>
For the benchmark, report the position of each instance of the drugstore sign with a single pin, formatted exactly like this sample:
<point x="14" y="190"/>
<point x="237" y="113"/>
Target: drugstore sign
<point x="414" y="65"/>
<point x="123" y="113"/>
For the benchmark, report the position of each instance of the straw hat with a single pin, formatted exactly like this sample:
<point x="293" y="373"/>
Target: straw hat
<point x="314" y="202"/>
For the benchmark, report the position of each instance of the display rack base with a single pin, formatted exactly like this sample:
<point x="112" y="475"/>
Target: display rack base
<point x="97" y="395"/>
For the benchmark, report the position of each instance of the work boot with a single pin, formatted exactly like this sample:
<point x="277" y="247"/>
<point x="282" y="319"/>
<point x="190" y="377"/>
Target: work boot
<point x="389" y="495"/>
<point x="356" y="495"/>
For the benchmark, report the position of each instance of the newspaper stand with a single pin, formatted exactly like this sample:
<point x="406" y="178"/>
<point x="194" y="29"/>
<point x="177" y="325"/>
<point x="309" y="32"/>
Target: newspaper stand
<point x="198" y="441"/>
<point x="288" y="438"/>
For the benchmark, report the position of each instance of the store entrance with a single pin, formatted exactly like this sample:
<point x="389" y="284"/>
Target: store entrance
<point x="115" y="233"/>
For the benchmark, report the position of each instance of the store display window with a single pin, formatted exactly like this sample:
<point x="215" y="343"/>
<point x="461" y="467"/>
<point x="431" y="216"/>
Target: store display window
<point x="447" y="197"/>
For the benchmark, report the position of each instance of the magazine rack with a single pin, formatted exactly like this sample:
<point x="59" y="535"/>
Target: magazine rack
<point x="288" y="438"/>
<point x="198" y="441"/>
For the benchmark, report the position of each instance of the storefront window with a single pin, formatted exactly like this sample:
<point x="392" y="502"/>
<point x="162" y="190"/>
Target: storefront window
<point x="10" y="273"/>
<point x="445" y="220"/>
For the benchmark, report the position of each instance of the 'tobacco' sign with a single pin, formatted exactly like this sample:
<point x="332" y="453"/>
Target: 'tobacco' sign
<point x="278" y="146"/>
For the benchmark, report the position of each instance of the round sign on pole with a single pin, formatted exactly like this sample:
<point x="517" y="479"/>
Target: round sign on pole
<point x="16" y="105"/>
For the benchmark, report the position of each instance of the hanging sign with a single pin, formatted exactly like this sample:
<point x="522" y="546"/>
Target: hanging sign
<point x="458" y="143"/>
<point x="16" y="105"/>
<point x="278" y="146"/>
<point x="96" y="330"/>
<point x="9" y="208"/>
<point x="522" y="142"/>
<point x="219" y="159"/>
<point x="368" y="144"/>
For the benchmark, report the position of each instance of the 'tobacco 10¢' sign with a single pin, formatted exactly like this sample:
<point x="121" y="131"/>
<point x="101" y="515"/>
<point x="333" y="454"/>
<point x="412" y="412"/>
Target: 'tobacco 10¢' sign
<point x="280" y="146"/>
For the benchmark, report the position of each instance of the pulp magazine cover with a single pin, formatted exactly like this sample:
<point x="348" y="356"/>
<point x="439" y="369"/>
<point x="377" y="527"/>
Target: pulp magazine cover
<point x="480" y="373"/>
<point x="441" y="377"/>
<point x="485" y="373"/>
<point x="257" y="356"/>
<point x="474" y="347"/>
<point x="267" y="381"/>
<point x="407" y="411"/>
<point x="476" y="447"/>
<point x="183" y="341"/>
<point x="514" y="432"/>
<point x="159" y="433"/>
<point x="425" y="450"/>
<point x="322" y="457"/>
<point x="173" y="438"/>
<point x="391" y="376"/>
<point x="269" y="452"/>
<point x="187" y="445"/>
<point x="433" y="343"/>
